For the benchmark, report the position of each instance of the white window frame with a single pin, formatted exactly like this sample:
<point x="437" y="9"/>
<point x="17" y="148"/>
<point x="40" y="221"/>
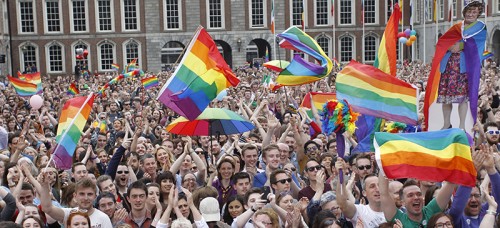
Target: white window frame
<point x="496" y="6"/>
<point x="5" y="18"/>
<point x="45" y="16"/>
<point x="19" y="26"/>
<point x="441" y="9"/>
<point x="430" y="11"/>
<point x="455" y="9"/>
<point x="165" y="26"/>
<point x="71" y="18"/>
<point x="418" y="11"/>
<point x="328" y="12"/>
<point x="139" y="51"/>
<point x="138" y="11"/>
<point x="377" y="43"/>
<point x="330" y="54"/>
<point x="47" y="58"/>
<point x="386" y="6"/>
<point x="376" y="13"/>
<point x="339" y="46"/>
<point x="264" y="16"/>
<point x="353" y="13"/>
<point x="21" y="55"/>
<point x="223" y="15"/>
<point x="112" y="11"/>
<point x="73" y="54"/>
<point x="291" y="13"/>
<point x="99" y="66"/>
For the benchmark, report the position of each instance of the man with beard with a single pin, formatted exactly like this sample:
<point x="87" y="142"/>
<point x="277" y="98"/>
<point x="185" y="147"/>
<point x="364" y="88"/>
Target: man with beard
<point x="492" y="134"/>
<point x="466" y="208"/>
<point x="413" y="200"/>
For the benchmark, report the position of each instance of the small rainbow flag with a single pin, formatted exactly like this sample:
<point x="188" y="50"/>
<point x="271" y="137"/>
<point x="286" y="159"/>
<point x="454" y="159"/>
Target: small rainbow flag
<point x="73" y="90"/>
<point x="150" y="82"/>
<point x="73" y="118"/>
<point x="201" y="75"/>
<point x="131" y="66"/>
<point x="386" y="56"/>
<point x="115" y="67"/>
<point x="431" y="156"/>
<point x="23" y="88"/>
<point x="487" y="55"/>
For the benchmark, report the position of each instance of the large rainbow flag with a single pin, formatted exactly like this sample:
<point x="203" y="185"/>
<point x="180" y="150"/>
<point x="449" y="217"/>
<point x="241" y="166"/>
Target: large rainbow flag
<point x="387" y="55"/>
<point x="432" y="156"/>
<point x="34" y="78"/>
<point x="73" y="118"/>
<point x="23" y="88"/>
<point x="474" y="37"/>
<point x="201" y="75"/>
<point x="370" y="91"/>
<point x="300" y="71"/>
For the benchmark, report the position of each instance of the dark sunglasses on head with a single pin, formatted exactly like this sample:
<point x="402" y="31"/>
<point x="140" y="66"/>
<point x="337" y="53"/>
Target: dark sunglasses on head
<point x="121" y="172"/>
<point x="283" y="181"/>
<point x="364" y="167"/>
<point x="312" y="168"/>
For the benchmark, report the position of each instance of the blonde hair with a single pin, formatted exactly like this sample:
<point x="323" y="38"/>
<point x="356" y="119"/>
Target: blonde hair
<point x="181" y="223"/>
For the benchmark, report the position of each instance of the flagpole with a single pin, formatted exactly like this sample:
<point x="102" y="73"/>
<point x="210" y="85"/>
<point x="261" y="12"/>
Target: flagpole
<point x="401" y="47"/>
<point x="363" y="22"/>
<point x="437" y="18"/>
<point x="425" y="25"/>
<point x="333" y="28"/>
<point x="274" y="29"/>
<point x="485" y="18"/>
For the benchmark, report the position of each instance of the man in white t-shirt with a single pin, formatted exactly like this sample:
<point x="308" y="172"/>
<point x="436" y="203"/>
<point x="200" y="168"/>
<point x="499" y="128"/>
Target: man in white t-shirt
<point x="371" y="215"/>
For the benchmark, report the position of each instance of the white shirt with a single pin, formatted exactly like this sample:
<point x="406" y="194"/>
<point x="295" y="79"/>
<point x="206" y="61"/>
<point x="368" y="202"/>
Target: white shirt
<point x="98" y="219"/>
<point x="369" y="217"/>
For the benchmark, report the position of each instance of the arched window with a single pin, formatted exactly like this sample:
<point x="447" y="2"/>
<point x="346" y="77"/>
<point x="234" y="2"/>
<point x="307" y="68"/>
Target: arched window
<point x="28" y="57"/>
<point x="132" y="51"/>
<point x="346" y="48"/>
<point x="170" y="52"/>
<point x="106" y="56"/>
<point x="55" y="58"/>
<point x="370" y="48"/>
<point x="324" y="43"/>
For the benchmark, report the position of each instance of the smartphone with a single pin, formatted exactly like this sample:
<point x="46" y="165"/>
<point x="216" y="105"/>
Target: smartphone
<point x="266" y="190"/>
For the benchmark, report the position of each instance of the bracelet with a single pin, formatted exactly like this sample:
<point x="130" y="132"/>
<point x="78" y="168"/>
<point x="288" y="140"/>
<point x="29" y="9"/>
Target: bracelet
<point x="490" y="212"/>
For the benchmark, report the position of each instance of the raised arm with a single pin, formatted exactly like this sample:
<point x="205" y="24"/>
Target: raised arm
<point x="388" y="204"/>
<point x="347" y="207"/>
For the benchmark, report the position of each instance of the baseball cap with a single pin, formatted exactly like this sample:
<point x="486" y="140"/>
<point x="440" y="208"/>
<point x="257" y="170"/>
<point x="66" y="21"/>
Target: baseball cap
<point x="209" y="208"/>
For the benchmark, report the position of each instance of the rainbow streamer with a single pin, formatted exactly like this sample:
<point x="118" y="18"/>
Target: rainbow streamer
<point x="73" y="90"/>
<point x="150" y="82"/>
<point x="23" y="88"/>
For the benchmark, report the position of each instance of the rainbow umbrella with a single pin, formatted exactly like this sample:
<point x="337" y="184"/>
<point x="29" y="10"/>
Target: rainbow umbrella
<point x="212" y="121"/>
<point x="276" y="65"/>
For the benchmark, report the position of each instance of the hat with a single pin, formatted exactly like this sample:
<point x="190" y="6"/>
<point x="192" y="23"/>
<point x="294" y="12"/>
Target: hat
<point x="473" y="3"/>
<point x="327" y="197"/>
<point x="209" y="208"/>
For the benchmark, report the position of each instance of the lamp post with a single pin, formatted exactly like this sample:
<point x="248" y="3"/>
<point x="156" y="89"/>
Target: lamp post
<point x="238" y="42"/>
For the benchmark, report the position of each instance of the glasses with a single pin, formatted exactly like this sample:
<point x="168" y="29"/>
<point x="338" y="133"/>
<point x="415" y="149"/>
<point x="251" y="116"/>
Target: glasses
<point x="313" y="148"/>
<point x="283" y="181"/>
<point x="497" y="132"/>
<point x="126" y="104"/>
<point x="477" y="196"/>
<point x="293" y="169"/>
<point x="76" y="210"/>
<point x="311" y="169"/>
<point x="367" y="167"/>
<point x="443" y="225"/>
<point x="122" y="172"/>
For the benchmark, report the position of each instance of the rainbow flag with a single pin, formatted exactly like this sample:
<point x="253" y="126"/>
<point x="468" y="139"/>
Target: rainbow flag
<point x="317" y="99"/>
<point x="115" y="67"/>
<point x="131" y="66"/>
<point x="431" y="156"/>
<point x="73" y="118"/>
<point x="23" y="88"/>
<point x="386" y="56"/>
<point x="34" y="78"/>
<point x="73" y="90"/>
<point x="487" y="54"/>
<point x="300" y="71"/>
<point x="150" y="82"/>
<point x="201" y="75"/>
<point x="472" y="52"/>
<point x="370" y="91"/>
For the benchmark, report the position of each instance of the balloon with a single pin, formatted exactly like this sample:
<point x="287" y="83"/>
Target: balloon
<point x="413" y="38"/>
<point x="402" y="40"/>
<point x="79" y="51"/>
<point x="85" y="53"/>
<point x="413" y="33"/>
<point x="401" y="34"/>
<point x="36" y="102"/>
<point x="79" y="57"/>
<point x="407" y="32"/>
<point x="409" y="43"/>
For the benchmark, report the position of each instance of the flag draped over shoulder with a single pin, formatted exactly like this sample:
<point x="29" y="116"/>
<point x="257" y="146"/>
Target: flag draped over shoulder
<point x="73" y="118"/>
<point x="387" y="55"/>
<point x="300" y="71"/>
<point x="474" y="37"/>
<point x="432" y="156"/>
<point x="372" y="92"/>
<point x="23" y="88"/>
<point x="201" y="75"/>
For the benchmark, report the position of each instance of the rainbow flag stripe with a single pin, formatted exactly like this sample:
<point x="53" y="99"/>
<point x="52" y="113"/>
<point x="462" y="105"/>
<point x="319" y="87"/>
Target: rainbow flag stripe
<point x="115" y="67"/>
<point x="150" y="82"/>
<point x="386" y="56"/>
<point x="73" y="90"/>
<point x="201" y="75"/>
<point x="23" y="88"/>
<point x="73" y="118"/>
<point x="318" y="99"/>
<point x="373" y="92"/>
<point x="432" y="156"/>
<point x="300" y="71"/>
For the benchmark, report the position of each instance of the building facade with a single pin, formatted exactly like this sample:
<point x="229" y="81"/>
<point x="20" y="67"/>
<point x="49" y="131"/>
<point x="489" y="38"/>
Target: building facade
<point x="46" y="33"/>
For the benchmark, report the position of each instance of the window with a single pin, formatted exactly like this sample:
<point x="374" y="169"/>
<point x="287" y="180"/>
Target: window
<point x="441" y="9"/>
<point x="497" y="4"/>
<point x="297" y="9"/>
<point x="370" y="16"/>
<point x="454" y="12"/>
<point x="130" y="15"/>
<point x="215" y="14"/>
<point x="5" y="17"/>
<point x="257" y="13"/>
<point x="28" y="53"/>
<point x="104" y="16"/>
<point x="388" y="10"/>
<point x="370" y="48"/>
<point x="55" y="58"/>
<point x="52" y="15"/>
<point x="170" y="52"/>
<point x="322" y="12"/>
<point x="106" y="56"/>
<point x="324" y="43"/>
<point x="417" y="10"/>
<point x="346" y="12"/>
<point x="429" y="14"/>
<point x="26" y="17"/>
<point x="78" y="15"/>
<point x="172" y="14"/>
<point x="132" y="52"/>
<point x="346" y="48"/>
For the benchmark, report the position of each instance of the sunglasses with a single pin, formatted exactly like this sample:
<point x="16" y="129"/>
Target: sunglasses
<point x="311" y="169"/>
<point x="289" y="180"/>
<point x="364" y="167"/>
<point x="122" y="172"/>
<point x="497" y="132"/>
<point x="293" y="169"/>
<point x="312" y="148"/>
